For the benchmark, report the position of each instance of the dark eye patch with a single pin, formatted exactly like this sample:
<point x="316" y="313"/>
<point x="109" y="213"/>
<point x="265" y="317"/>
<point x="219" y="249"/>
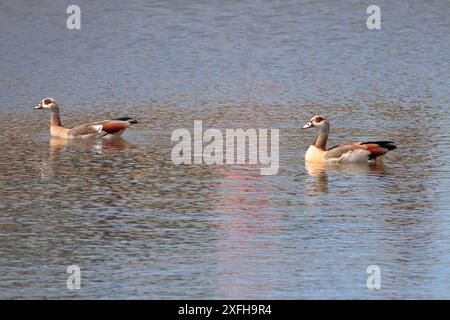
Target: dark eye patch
<point x="318" y="119"/>
<point x="47" y="101"/>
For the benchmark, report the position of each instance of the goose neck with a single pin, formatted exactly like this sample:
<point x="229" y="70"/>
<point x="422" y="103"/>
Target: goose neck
<point x="322" y="137"/>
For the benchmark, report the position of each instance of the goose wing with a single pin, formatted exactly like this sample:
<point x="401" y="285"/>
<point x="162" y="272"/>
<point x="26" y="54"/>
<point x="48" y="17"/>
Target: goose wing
<point x="87" y="130"/>
<point x="101" y="128"/>
<point x="338" y="153"/>
<point x="359" y="151"/>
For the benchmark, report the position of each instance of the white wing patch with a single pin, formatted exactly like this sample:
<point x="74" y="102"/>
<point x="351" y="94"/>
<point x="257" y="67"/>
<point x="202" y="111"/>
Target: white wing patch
<point x="358" y="155"/>
<point x="98" y="128"/>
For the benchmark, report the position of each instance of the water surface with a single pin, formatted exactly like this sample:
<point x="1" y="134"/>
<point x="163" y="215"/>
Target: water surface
<point x="140" y="227"/>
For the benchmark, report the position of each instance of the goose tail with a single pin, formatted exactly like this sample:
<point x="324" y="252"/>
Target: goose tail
<point x="389" y="145"/>
<point x="128" y="119"/>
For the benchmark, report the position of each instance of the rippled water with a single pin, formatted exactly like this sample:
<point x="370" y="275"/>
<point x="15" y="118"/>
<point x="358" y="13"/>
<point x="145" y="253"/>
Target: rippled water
<point x="140" y="227"/>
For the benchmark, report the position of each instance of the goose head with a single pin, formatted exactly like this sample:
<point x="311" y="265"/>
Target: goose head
<point x="46" y="103"/>
<point x="317" y="121"/>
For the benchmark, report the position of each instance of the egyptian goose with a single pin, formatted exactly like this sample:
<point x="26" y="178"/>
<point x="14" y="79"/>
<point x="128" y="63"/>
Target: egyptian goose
<point x="345" y="153"/>
<point x="99" y="129"/>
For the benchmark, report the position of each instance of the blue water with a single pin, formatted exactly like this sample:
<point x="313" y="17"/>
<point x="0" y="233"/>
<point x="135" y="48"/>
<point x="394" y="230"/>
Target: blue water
<point x="139" y="226"/>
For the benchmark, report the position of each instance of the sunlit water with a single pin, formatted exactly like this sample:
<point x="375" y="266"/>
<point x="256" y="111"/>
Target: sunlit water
<point x="141" y="227"/>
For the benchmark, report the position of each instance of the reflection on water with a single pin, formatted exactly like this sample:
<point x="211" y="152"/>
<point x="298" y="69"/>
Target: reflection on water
<point x="140" y="227"/>
<point x="108" y="144"/>
<point x="50" y="167"/>
<point x="243" y="212"/>
<point x="320" y="172"/>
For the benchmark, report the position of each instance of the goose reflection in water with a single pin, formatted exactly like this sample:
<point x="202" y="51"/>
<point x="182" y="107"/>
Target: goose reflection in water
<point x="84" y="145"/>
<point x="63" y="153"/>
<point x="321" y="172"/>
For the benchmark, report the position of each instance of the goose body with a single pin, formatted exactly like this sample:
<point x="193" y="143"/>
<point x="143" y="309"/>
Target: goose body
<point x="98" y="129"/>
<point x="354" y="152"/>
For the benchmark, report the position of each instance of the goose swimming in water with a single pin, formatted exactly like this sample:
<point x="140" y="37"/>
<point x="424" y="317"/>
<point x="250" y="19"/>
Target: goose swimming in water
<point x="345" y="153"/>
<point x="99" y="129"/>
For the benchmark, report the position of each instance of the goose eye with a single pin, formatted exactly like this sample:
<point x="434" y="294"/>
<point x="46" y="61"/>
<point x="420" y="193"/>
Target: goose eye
<point x="318" y="119"/>
<point x="47" y="101"/>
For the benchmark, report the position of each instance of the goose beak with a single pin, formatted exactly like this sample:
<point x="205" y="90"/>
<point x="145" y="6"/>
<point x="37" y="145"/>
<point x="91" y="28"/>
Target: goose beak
<point x="308" y="125"/>
<point x="38" y="106"/>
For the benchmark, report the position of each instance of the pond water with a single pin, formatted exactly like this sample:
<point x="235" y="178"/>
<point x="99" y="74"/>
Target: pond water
<point x="139" y="226"/>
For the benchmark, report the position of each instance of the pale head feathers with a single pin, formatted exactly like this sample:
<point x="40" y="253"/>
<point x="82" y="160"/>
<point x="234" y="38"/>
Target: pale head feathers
<point x="46" y="103"/>
<point x="316" y="121"/>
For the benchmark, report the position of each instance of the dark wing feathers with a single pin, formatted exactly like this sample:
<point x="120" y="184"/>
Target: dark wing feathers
<point x="102" y="127"/>
<point x="115" y="126"/>
<point x="383" y="144"/>
<point x="375" y="149"/>
<point x="130" y="120"/>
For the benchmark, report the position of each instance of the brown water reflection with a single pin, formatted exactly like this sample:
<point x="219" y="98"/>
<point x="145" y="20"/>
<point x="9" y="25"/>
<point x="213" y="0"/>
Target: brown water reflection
<point x="243" y="213"/>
